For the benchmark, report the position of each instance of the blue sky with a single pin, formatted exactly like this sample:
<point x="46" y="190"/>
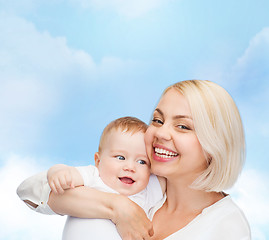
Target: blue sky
<point x="69" y="67"/>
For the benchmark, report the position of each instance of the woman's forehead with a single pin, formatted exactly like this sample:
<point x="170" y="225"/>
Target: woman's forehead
<point x="173" y="102"/>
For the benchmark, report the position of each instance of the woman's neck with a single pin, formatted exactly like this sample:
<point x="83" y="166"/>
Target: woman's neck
<point x="180" y="197"/>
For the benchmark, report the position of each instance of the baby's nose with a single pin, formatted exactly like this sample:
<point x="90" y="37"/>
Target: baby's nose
<point x="129" y="166"/>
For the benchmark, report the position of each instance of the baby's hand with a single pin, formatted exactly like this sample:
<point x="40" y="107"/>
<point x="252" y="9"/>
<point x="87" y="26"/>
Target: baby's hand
<point x="61" y="177"/>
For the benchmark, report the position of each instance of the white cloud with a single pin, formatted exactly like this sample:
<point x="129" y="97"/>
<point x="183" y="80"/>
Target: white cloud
<point x="250" y="70"/>
<point x="247" y="79"/>
<point x="25" y="50"/>
<point x="130" y="8"/>
<point x="24" y="103"/>
<point x="31" y="64"/>
<point x="36" y="69"/>
<point x="252" y="195"/>
<point x="255" y="58"/>
<point x="250" y="76"/>
<point x="17" y="220"/>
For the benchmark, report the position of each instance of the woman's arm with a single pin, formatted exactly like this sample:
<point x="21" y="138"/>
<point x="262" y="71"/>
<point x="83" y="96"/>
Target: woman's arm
<point x="84" y="202"/>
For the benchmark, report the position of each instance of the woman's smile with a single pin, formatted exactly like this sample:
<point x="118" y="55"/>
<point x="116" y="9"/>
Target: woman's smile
<point x="163" y="154"/>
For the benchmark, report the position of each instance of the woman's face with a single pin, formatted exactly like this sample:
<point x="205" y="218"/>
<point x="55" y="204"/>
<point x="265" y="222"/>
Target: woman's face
<point x="171" y="142"/>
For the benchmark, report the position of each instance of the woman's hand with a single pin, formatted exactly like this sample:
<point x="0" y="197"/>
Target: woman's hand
<point x="130" y="220"/>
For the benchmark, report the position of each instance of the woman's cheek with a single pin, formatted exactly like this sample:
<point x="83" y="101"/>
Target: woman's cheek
<point x="149" y="136"/>
<point x="148" y="141"/>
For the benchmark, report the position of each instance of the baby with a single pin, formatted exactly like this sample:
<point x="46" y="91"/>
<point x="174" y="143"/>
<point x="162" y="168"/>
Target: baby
<point x="121" y="166"/>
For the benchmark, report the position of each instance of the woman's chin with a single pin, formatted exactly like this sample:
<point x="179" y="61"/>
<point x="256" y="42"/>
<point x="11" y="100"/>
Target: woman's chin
<point x="157" y="170"/>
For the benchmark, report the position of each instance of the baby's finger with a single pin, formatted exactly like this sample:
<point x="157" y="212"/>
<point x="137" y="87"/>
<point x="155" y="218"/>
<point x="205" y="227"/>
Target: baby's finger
<point x="52" y="187"/>
<point x="72" y="185"/>
<point x="58" y="186"/>
<point x="62" y="181"/>
<point x="69" y="182"/>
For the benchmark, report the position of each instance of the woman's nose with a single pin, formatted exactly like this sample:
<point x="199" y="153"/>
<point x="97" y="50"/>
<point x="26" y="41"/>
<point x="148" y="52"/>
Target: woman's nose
<point x="163" y="132"/>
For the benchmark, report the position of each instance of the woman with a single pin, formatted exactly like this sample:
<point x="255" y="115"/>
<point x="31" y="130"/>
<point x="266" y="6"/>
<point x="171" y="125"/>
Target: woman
<point x="195" y="141"/>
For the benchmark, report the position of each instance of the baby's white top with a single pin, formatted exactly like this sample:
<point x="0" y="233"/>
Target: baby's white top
<point x="37" y="190"/>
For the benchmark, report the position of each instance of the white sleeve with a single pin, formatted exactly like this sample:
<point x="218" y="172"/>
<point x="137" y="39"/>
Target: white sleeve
<point x="36" y="190"/>
<point x="89" y="174"/>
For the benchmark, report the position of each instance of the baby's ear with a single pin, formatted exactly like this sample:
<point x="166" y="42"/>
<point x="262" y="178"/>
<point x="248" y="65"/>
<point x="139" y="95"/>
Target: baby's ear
<point x="97" y="159"/>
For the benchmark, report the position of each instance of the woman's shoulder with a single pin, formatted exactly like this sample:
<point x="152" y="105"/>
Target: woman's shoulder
<point x="226" y="206"/>
<point x="227" y="217"/>
<point x="223" y="220"/>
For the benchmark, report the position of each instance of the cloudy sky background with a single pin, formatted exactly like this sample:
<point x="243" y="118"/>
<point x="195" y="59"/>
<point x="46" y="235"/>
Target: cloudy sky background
<point x="69" y="67"/>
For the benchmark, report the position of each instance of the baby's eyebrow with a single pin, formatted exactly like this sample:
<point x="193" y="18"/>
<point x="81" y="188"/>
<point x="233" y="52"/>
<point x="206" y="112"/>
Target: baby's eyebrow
<point x="118" y="151"/>
<point x="143" y="156"/>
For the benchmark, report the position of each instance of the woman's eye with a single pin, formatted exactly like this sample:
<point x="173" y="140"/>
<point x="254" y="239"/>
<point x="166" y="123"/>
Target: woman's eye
<point x="142" y="162"/>
<point x="156" y="120"/>
<point x="120" y="157"/>
<point x="183" y="127"/>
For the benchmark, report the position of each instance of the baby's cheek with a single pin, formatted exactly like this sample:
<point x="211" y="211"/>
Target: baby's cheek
<point x="146" y="178"/>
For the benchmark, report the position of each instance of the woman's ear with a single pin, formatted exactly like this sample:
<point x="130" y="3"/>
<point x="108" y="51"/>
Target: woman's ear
<point x="97" y="159"/>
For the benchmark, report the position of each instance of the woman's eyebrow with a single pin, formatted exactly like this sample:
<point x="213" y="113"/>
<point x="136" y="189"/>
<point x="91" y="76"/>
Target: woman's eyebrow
<point x="159" y="111"/>
<point x="175" y="117"/>
<point x="182" y="116"/>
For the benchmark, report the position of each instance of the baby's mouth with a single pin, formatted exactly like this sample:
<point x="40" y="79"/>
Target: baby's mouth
<point x="126" y="180"/>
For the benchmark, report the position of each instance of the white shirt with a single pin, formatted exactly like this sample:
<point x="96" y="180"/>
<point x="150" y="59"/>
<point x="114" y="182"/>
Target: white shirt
<point x="221" y="221"/>
<point x="37" y="190"/>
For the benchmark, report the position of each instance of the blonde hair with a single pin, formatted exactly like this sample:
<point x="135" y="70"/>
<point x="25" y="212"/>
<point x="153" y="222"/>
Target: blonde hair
<point x="219" y="129"/>
<point x="125" y="124"/>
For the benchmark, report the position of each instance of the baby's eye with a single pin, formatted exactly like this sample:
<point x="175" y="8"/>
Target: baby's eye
<point x="142" y="162"/>
<point x="120" y="157"/>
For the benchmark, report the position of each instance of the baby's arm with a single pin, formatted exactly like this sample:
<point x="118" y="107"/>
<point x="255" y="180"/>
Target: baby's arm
<point x="35" y="190"/>
<point x="62" y="177"/>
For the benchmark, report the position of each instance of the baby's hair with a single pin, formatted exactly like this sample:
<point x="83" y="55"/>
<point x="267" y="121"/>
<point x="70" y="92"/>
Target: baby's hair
<point x="124" y="124"/>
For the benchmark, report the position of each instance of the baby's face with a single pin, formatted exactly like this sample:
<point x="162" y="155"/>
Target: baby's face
<point x="123" y="163"/>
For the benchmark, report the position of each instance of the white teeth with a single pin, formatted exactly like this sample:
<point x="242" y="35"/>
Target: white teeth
<point x="164" y="153"/>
